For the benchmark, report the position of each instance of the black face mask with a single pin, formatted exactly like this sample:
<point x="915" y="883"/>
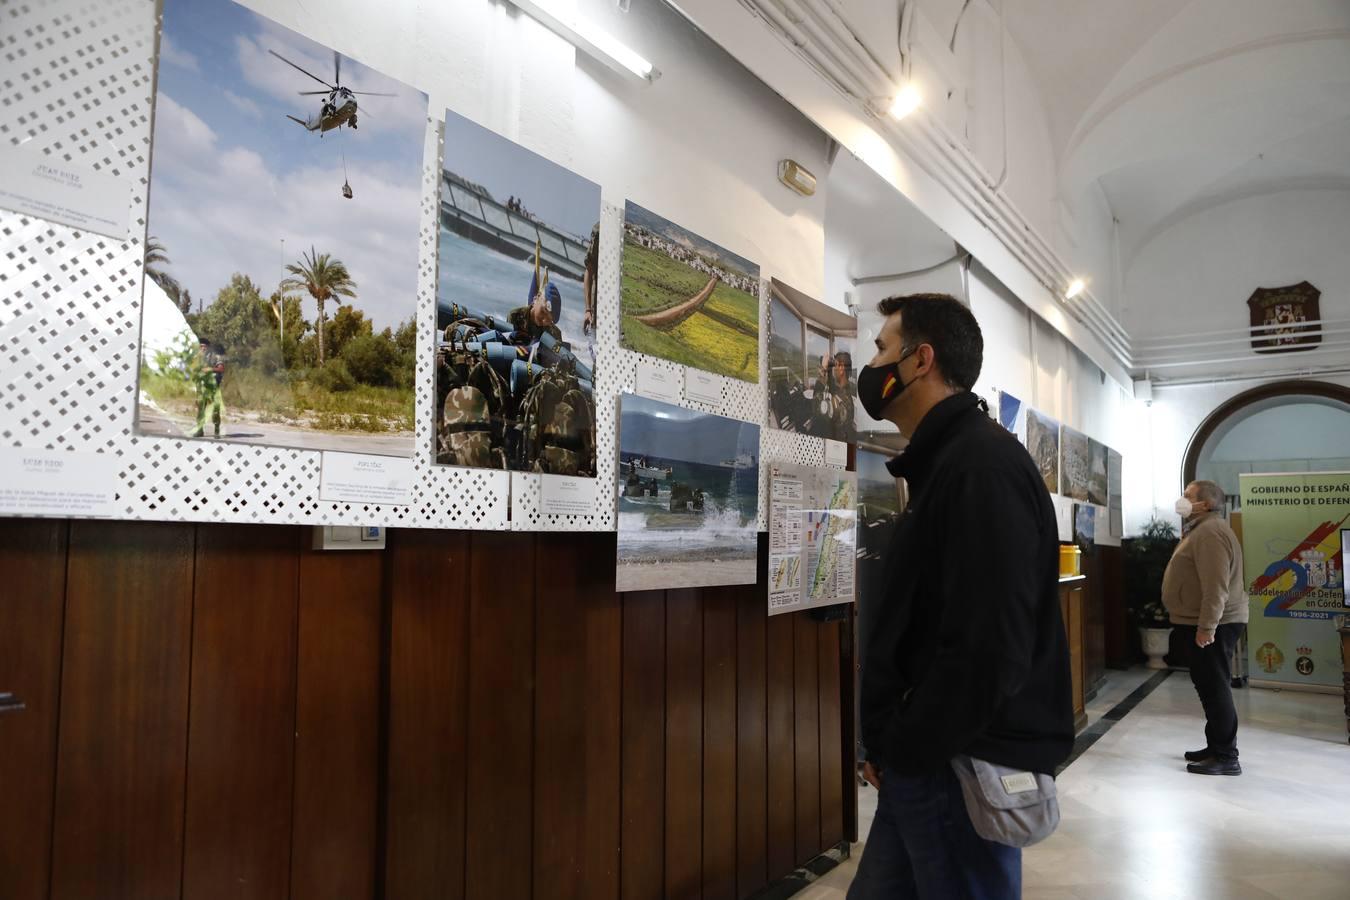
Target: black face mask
<point x="879" y="385"/>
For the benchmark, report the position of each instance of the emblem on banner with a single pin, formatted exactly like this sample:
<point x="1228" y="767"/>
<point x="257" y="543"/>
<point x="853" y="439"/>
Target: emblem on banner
<point x="1269" y="657"/>
<point x="1285" y="318"/>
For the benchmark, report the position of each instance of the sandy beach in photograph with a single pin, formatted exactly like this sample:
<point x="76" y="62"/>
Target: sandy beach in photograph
<point x="660" y="574"/>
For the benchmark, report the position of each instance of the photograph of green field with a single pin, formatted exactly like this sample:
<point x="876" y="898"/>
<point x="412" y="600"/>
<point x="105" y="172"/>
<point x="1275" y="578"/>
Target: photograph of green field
<point x="686" y="299"/>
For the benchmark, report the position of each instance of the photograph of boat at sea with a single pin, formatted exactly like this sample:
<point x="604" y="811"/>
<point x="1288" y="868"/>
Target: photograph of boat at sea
<point x="688" y="486"/>
<point x="515" y="308"/>
<point x="687" y="299"/>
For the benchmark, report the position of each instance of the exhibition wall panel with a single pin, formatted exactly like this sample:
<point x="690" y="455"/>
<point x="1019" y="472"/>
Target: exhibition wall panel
<point x="219" y="708"/>
<point x="75" y="318"/>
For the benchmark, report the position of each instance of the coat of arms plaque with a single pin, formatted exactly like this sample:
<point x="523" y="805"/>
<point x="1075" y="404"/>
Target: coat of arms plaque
<point x="1285" y="318"/>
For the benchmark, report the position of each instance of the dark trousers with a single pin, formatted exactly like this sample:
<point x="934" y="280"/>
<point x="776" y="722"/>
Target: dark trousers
<point x="1211" y="673"/>
<point x="923" y="847"/>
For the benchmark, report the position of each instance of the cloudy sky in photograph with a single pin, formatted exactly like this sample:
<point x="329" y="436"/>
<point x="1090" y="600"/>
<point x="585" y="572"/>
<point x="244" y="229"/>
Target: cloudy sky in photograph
<point x="232" y="177"/>
<point x="553" y="194"/>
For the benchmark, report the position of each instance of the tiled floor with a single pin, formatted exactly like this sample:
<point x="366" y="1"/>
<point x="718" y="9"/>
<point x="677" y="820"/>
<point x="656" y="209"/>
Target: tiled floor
<point x="1136" y="825"/>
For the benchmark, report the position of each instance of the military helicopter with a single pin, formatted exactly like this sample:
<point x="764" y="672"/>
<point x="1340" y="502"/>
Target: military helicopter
<point x="340" y="107"/>
<point x="337" y="110"/>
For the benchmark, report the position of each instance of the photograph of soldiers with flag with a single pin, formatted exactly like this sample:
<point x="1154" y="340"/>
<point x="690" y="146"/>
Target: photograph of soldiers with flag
<point x="281" y="249"/>
<point x="687" y="299"/>
<point x="1294" y="568"/>
<point x="515" y="308"/>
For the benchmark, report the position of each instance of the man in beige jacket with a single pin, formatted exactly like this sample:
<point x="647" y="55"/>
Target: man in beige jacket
<point x="1204" y="591"/>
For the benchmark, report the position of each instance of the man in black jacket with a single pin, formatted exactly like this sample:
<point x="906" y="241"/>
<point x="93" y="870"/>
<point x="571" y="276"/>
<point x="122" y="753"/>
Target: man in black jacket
<point x="966" y="653"/>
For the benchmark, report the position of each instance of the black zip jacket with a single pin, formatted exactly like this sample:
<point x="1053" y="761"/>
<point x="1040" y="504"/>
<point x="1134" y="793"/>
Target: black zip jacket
<point x="967" y="652"/>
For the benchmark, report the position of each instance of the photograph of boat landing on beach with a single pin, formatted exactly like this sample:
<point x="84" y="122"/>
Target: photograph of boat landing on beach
<point x="688" y="486"/>
<point x="686" y="299"/>
<point x="515" y="308"/>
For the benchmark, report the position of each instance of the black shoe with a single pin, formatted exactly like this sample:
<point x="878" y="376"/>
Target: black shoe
<point x="1197" y="755"/>
<point x="1215" y="766"/>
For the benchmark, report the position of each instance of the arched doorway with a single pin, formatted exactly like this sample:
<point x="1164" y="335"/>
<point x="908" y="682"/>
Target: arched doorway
<point x="1288" y="426"/>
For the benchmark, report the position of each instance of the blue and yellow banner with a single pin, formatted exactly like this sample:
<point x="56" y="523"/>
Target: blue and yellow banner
<point x="1295" y="574"/>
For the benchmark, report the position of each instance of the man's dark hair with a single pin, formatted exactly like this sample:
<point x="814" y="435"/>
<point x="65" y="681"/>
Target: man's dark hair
<point x="844" y="357"/>
<point x="948" y="326"/>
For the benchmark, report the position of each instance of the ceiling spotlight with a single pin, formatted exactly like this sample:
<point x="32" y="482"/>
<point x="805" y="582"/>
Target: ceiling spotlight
<point x="1075" y="288"/>
<point x="905" y="102"/>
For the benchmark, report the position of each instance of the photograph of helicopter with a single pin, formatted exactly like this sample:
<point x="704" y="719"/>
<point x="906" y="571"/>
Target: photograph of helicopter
<point x="337" y="110"/>
<point x="279" y="303"/>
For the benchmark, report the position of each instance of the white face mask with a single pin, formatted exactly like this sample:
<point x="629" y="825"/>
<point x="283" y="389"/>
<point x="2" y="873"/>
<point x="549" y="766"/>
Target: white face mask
<point x="1184" y="507"/>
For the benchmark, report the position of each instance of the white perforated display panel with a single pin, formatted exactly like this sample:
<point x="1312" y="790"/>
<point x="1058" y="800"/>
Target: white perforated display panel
<point x="78" y="85"/>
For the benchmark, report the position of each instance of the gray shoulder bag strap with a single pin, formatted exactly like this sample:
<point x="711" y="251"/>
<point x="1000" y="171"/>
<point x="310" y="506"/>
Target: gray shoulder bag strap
<point x="1007" y="806"/>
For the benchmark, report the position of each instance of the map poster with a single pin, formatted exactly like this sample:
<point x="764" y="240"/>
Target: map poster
<point x="813" y="528"/>
<point x="1294" y="569"/>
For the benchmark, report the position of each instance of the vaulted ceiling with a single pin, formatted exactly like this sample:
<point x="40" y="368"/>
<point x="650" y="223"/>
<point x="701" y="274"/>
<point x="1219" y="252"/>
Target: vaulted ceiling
<point x="1191" y="104"/>
<point x="1169" y="107"/>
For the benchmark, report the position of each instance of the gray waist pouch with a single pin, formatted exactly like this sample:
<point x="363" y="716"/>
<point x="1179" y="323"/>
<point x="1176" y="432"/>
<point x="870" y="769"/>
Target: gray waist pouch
<point x="1007" y="806"/>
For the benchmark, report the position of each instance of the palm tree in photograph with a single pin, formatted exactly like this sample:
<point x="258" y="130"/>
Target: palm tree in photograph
<point x="324" y="278"/>
<point x="156" y="258"/>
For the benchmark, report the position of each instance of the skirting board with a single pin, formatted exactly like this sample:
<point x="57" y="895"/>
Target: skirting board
<point x="1290" y="686"/>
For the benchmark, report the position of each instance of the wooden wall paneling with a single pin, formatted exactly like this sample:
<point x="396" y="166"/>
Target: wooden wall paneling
<point x="684" y="743"/>
<point x="833" y="772"/>
<point x="751" y="740"/>
<point x="337" y="727"/>
<point x="604" y="702"/>
<point x="848" y="705"/>
<point x="121" y="746"/>
<point x="241" y="734"/>
<point x="719" y="739"/>
<point x="781" y="773"/>
<point x="502" y="587"/>
<point x="426" y="752"/>
<point x="1115" y="617"/>
<point x="577" y="661"/>
<point x="33" y="563"/>
<point x="807" y="720"/>
<point x="1094" y="622"/>
<point x="643" y="794"/>
<point x="559" y="716"/>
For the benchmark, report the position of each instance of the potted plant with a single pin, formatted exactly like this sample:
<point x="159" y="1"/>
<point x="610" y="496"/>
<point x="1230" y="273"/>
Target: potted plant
<point x="1146" y="558"/>
<point x="1155" y="632"/>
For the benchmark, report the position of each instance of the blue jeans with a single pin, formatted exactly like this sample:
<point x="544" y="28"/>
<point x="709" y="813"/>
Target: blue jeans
<point x="922" y="845"/>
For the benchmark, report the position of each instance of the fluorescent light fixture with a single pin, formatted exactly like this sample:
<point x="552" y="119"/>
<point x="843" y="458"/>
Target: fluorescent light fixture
<point x="905" y="102"/>
<point x="1075" y="288"/>
<point x="556" y="16"/>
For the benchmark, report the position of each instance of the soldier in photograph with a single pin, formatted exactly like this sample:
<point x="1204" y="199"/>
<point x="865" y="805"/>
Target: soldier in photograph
<point x="539" y="315"/>
<point x="208" y="385"/>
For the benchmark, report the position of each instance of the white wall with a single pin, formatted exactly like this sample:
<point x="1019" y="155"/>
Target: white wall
<point x="1027" y="358"/>
<point x="910" y="168"/>
<point x="1161" y="433"/>
<point x="1198" y="274"/>
<point x="699" y="146"/>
